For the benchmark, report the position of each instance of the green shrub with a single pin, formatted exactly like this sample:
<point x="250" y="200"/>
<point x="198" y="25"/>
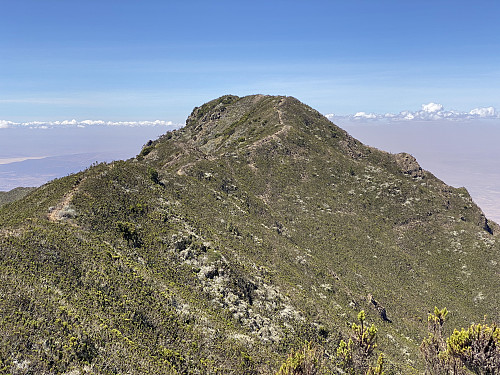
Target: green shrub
<point x="154" y="176"/>
<point x="354" y="356"/>
<point x="476" y="349"/>
<point x="129" y="233"/>
<point x="305" y="361"/>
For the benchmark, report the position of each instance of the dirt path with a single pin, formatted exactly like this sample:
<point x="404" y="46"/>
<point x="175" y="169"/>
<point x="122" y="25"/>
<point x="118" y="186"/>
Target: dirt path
<point x="275" y="136"/>
<point x="62" y="209"/>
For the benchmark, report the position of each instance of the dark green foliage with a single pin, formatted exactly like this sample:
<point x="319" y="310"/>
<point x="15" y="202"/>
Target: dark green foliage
<point x="148" y="147"/>
<point x="129" y="232"/>
<point x="154" y="176"/>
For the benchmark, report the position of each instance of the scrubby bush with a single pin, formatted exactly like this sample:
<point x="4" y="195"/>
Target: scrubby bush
<point x="475" y="349"/>
<point x="433" y="348"/>
<point x="306" y="361"/>
<point x="129" y="232"/>
<point x="154" y="176"/>
<point x="354" y="356"/>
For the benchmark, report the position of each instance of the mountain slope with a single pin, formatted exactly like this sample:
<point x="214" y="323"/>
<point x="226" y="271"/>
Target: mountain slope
<point x="14" y="194"/>
<point x="258" y="225"/>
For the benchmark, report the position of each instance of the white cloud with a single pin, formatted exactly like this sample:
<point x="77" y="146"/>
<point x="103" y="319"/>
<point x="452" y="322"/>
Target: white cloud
<point x="484" y="112"/>
<point x="432" y="107"/>
<point x="406" y="116"/>
<point x="83" y="124"/>
<point x="365" y="115"/>
<point x="5" y="124"/>
<point x="429" y="112"/>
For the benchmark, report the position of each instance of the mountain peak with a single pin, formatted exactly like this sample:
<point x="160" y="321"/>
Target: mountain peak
<point x="252" y="122"/>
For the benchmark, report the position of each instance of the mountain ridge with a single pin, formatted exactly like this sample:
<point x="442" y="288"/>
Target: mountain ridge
<point x="226" y="243"/>
<point x="14" y="194"/>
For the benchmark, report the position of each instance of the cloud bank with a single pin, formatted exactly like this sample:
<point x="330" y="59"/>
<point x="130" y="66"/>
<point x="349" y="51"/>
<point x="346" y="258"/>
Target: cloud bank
<point x="429" y="112"/>
<point x="82" y="124"/>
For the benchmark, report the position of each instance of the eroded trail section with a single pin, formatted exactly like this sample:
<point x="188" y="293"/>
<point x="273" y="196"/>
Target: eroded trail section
<point x="63" y="210"/>
<point x="275" y="136"/>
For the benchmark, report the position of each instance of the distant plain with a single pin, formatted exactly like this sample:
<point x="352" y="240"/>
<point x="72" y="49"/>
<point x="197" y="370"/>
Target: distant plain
<point x="33" y="156"/>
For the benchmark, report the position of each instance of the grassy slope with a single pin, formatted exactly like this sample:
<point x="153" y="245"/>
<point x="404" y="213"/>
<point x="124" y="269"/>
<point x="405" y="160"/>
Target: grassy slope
<point x="14" y="194"/>
<point x="226" y="243"/>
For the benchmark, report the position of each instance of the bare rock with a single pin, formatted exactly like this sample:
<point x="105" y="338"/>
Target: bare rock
<point x="409" y="165"/>
<point x="381" y="309"/>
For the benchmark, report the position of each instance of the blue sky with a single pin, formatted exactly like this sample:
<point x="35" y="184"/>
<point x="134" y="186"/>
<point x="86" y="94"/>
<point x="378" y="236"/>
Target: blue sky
<point x="145" y="60"/>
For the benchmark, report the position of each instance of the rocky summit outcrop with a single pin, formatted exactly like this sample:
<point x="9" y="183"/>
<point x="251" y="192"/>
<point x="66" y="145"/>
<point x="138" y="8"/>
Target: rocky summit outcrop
<point x="229" y="242"/>
<point x="409" y="165"/>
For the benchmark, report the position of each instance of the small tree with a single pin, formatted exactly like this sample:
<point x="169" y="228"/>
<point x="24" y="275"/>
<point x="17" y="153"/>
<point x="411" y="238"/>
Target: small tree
<point x="379" y="368"/>
<point x="154" y="176"/>
<point x="129" y="233"/>
<point x="353" y="356"/>
<point x="366" y="337"/>
<point x="344" y="356"/>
